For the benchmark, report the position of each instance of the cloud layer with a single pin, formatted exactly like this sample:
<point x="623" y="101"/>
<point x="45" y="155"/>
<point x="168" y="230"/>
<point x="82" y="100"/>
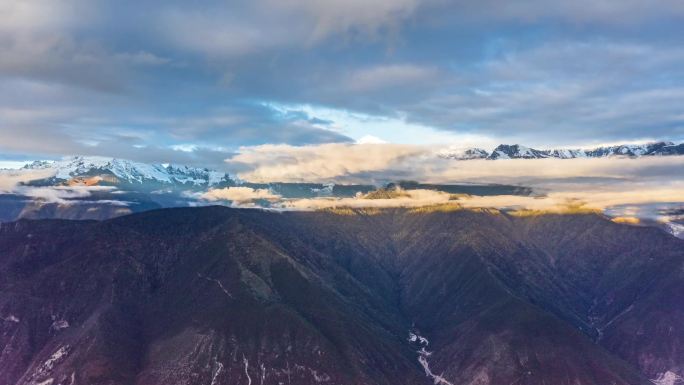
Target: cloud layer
<point x="17" y="182"/>
<point x="143" y="80"/>
<point x="381" y="163"/>
<point x="321" y="163"/>
<point x="623" y="187"/>
<point x="10" y="179"/>
<point x="239" y="195"/>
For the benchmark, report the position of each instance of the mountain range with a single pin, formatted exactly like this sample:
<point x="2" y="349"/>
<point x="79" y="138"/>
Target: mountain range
<point x="100" y="170"/>
<point x="516" y="151"/>
<point x="81" y="170"/>
<point x="223" y="296"/>
<point x="112" y="187"/>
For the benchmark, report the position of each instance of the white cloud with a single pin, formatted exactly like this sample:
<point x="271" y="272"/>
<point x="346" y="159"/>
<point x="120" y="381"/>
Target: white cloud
<point x="404" y="198"/>
<point x="63" y="194"/>
<point x="239" y="195"/>
<point x="549" y="172"/>
<point x="604" y="184"/>
<point x="557" y="201"/>
<point x="370" y="139"/>
<point x="596" y="200"/>
<point x="10" y="179"/>
<point x="325" y="162"/>
<point x="12" y="182"/>
<point x="12" y="164"/>
<point x="369" y="163"/>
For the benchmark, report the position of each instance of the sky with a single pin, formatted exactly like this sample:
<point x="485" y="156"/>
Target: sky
<point x="207" y="81"/>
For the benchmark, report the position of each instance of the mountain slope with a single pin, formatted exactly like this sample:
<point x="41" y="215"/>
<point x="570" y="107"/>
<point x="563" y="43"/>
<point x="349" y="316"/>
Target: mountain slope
<point x="223" y="296"/>
<point x="199" y="298"/>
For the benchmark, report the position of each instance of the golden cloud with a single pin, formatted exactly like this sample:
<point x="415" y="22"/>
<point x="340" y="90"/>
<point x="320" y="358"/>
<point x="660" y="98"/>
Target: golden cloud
<point x="239" y="195"/>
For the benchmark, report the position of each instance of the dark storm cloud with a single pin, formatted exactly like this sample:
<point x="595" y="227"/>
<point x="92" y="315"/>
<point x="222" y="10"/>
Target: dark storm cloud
<point x="191" y="82"/>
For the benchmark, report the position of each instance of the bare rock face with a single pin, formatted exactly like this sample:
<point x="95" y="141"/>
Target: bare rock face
<point x="223" y="296"/>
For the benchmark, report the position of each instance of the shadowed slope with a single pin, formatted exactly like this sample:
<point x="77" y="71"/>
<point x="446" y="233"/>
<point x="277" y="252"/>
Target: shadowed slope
<point x="224" y="296"/>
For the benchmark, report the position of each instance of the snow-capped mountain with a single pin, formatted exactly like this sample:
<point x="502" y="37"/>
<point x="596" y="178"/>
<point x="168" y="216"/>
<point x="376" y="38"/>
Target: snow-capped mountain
<point x="656" y="148"/>
<point x="125" y="171"/>
<point x="463" y="153"/>
<point x="567" y="153"/>
<point x="516" y="151"/>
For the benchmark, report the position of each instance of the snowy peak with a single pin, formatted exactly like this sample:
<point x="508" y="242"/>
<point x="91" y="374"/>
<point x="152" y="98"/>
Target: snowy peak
<point x="634" y="150"/>
<point x="517" y="151"/>
<point x="567" y="153"/>
<point x="131" y="172"/>
<point x="463" y="153"/>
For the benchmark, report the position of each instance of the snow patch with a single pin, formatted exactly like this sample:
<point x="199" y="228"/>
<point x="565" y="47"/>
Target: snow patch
<point x="59" y="325"/>
<point x="668" y="378"/>
<point x="46" y="368"/>
<point x="10" y="318"/>
<point x="246" y="363"/>
<point x="416" y="338"/>
<point x="322" y="377"/>
<point x="326" y="190"/>
<point x="423" y="354"/>
<point x="262" y="378"/>
<point x="219" y="369"/>
<point x="56" y="357"/>
<point x="676" y="229"/>
<point x="220" y="285"/>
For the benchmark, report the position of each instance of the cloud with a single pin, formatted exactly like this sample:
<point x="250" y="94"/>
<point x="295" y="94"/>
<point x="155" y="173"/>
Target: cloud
<point x="10" y="179"/>
<point x="64" y="194"/>
<point x="620" y="187"/>
<point x="591" y="200"/>
<point x="377" y="163"/>
<point x="384" y="77"/>
<point x="547" y="173"/>
<point x="340" y="16"/>
<point x="74" y="75"/>
<point x="564" y="92"/>
<point x="370" y="139"/>
<point x="239" y="195"/>
<point x="405" y="198"/>
<point x="13" y="182"/>
<point x="557" y="201"/>
<point x="38" y="120"/>
<point x="236" y="31"/>
<point x="609" y="12"/>
<point x="326" y="162"/>
<point x="648" y="204"/>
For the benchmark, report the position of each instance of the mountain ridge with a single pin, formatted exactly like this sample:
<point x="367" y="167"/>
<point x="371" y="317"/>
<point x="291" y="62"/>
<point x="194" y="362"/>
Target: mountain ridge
<point x="132" y="172"/>
<point x="235" y="296"/>
<point x="517" y="151"/>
